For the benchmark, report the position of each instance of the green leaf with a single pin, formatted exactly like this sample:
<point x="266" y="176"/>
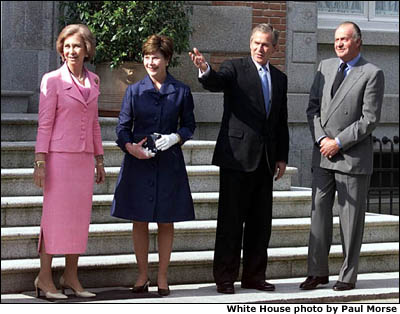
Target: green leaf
<point x="121" y="27"/>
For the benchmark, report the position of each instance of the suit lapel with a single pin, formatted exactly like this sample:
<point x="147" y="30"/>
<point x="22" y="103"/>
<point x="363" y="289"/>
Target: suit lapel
<point x="274" y="87"/>
<point x="69" y="86"/>
<point x="349" y="81"/>
<point x="94" y="87"/>
<point x="252" y="76"/>
<point x="331" y="78"/>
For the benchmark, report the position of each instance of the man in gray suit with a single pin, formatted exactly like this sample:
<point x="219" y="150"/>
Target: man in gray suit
<point x="344" y="108"/>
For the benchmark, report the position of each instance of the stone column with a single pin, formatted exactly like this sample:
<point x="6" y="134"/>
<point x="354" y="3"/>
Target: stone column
<point x="28" y="35"/>
<point x="301" y="63"/>
<point x="215" y="29"/>
<point x="221" y="29"/>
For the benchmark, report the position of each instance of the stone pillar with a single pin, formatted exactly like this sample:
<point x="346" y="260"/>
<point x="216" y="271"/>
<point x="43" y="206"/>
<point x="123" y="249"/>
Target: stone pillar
<point x="28" y="35"/>
<point x="301" y="63"/>
<point x="215" y="29"/>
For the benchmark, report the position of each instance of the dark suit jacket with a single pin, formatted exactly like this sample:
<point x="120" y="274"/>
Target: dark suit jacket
<point x="246" y="132"/>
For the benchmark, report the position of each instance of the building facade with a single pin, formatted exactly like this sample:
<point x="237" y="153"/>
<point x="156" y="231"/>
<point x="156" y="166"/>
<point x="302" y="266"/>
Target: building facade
<point x="221" y="30"/>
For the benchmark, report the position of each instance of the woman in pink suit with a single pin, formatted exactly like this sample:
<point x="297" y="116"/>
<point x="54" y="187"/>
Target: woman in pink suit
<point x="68" y="144"/>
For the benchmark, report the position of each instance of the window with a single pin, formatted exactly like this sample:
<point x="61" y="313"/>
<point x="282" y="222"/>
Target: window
<point x="369" y="15"/>
<point x="387" y="8"/>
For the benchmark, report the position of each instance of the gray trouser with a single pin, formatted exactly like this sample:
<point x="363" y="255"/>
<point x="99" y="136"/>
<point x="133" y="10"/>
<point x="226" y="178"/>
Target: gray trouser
<point x="352" y="194"/>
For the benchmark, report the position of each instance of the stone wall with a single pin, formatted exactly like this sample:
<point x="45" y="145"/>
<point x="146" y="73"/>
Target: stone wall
<point x="221" y="31"/>
<point x="301" y="52"/>
<point x="273" y="12"/>
<point x="28" y="35"/>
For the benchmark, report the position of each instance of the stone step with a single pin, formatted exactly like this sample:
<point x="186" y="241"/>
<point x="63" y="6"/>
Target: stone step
<point x="26" y="210"/>
<point x="208" y="113"/>
<point x="23" y="127"/>
<point x="190" y="267"/>
<point x="379" y="288"/>
<point x="18" y="127"/>
<point x="202" y="178"/>
<point x="22" y="154"/>
<point x="15" y="101"/>
<point x="22" y="242"/>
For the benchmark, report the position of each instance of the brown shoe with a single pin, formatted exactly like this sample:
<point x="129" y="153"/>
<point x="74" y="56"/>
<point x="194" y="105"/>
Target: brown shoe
<point x="313" y="281"/>
<point x="341" y="286"/>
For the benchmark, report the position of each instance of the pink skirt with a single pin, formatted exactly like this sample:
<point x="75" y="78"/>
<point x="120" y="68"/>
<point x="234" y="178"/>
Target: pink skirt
<point x="67" y="202"/>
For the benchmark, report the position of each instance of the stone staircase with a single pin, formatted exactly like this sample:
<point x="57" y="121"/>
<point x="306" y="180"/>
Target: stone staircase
<point x="15" y="101"/>
<point x="109" y="260"/>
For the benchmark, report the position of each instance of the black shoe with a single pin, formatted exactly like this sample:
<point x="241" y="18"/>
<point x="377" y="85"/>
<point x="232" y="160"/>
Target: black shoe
<point x="341" y="286"/>
<point x="226" y="287"/>
<point x="141" y="289"/>
<point x="164" y="292"/>
<point x="262" y="285"/>
<point x="313" y="281"/>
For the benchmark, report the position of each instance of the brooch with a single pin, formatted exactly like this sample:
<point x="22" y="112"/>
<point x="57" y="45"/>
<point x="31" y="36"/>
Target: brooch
<point x="96" y="80"/>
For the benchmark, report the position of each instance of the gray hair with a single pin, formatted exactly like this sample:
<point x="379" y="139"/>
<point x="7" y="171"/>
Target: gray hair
<point x="266" y="28"/>
<point x="356" y="32"/>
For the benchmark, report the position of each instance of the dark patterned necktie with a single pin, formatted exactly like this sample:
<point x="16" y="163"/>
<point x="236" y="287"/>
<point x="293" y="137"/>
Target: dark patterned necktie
<point x="338" y="79"/>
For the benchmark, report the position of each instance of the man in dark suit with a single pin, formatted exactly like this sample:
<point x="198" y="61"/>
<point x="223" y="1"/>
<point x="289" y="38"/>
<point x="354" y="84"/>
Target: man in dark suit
<point x="252" y="146"/>
<point x="344" y="108"/>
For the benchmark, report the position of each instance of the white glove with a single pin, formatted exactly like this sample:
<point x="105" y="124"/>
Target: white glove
<point x="148" y="152"/>
<point x="166" y="141"/>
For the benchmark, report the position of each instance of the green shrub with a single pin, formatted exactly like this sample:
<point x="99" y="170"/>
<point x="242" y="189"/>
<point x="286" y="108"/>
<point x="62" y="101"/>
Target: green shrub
<point x="121" y="27"/>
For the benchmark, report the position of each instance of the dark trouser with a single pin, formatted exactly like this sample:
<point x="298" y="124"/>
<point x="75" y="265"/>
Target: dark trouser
<point x="245" y="197"/>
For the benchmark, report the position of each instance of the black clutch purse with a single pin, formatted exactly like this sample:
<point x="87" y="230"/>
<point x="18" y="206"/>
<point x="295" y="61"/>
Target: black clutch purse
<point x="150" y="143"/>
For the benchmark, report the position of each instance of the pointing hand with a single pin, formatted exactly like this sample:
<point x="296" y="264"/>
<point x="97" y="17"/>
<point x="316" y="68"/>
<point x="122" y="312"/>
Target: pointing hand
<point x="198" y="60"/>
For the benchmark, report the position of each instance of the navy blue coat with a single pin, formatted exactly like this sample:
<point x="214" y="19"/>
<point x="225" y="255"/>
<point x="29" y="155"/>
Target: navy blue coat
<point x="155" y="189"/>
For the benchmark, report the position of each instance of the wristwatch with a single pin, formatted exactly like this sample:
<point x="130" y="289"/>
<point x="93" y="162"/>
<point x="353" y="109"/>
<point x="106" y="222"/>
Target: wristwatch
<point x="39" y="163"/>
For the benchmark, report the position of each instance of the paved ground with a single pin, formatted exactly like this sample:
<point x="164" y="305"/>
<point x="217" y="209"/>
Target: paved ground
<point x="371" y="288"/>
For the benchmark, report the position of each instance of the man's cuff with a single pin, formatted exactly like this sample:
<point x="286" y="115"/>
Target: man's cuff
<point x="320" y="139"/>
<point x="338" y="142"/>
<point x="204" y="74"/>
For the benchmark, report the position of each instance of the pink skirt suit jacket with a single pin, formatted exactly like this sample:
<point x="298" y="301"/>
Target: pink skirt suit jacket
<point x="69" y="134"/>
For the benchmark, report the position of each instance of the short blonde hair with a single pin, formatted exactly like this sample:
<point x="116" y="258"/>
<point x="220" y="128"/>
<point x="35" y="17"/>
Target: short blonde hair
<point x="161" y="43"/>
<point x="86" y="35"/>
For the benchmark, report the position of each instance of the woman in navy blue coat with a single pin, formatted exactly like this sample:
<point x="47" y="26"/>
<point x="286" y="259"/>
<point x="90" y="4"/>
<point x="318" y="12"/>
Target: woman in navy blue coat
<point x="154" y="187"/>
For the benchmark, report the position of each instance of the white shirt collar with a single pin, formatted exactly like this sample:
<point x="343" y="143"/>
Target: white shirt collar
<point x="259" y="66"/>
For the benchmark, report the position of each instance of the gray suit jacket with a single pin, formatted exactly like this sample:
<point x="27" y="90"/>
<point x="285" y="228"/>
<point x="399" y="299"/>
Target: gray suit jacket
<point x="351" y="115"/>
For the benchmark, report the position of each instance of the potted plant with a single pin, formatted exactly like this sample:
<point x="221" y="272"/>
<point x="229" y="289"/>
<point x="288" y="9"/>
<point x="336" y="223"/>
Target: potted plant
<point x="120" y="28"/>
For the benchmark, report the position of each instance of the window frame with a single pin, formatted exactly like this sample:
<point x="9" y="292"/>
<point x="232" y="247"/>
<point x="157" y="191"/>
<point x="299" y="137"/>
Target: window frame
<point x="366" y="21"/>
